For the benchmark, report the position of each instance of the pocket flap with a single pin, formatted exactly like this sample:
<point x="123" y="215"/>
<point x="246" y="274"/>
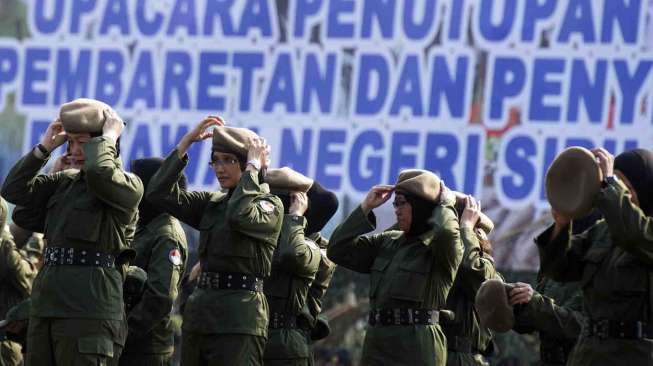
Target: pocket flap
<point x="380" y="264"/>
<point x="95" y="346"/>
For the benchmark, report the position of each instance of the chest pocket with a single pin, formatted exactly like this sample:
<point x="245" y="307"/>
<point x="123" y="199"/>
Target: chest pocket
<point x="51" y="215"/>
<point x="376" y="273"/>
<point x="84" y="220"/>
<point x="409" y="283"/>
<point x="216" y="237"/>
<point x="629" y="276"/>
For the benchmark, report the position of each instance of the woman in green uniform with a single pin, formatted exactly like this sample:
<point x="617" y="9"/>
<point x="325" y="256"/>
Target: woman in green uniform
<point x="226" y="317"/>
<point x="411" y="270"/>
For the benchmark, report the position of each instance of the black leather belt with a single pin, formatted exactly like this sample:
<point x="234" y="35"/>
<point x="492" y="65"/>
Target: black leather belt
<point x="58" y="256"/>
<point x="604" y="329"/>
<point x="400" y="316"/>
<point x="459" y="344"/>
<point x="282" y="320"/>
<point x="229" y="281"/>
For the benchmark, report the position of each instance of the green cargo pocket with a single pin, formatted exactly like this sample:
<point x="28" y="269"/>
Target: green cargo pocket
<point x="409" y="283"/>
<point x="84" y="221"/>
<point x="376" y="273"/>
<point x="98" y="346"/>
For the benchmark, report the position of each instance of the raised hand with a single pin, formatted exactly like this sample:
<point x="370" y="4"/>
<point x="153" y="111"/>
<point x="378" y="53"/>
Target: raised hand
<point x="200" y="132"/>
<point x="377" y="196"/>
<point x="54" y="136"/>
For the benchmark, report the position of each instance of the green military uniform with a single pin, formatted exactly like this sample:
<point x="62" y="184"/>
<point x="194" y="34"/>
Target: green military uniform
<point x="162" y="251"/>
<point x="294" y="266"/>
<point x="612" y="260"/>
<point x="16" y="274"/>
<point x="77" y="314"/>
<point x="465" y="338"/>
<point x="406" y="273"/>
<point x="318" y="289"/>
<point x="238" y="234"/>
<point x="555" y="311"/>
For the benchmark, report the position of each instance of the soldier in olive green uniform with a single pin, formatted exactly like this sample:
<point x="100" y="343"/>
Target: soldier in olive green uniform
<point x="16" y="274"/>
<point x="465" y="338"/>
<point x="295" y="264"/>
<point x="77" y="315"/>
<point x="555" y="311"/>
<point x="226" y="317"/>
<point x="161" y="250"/>
<point x="411" y="270"/>
<point x="612" y="260"/>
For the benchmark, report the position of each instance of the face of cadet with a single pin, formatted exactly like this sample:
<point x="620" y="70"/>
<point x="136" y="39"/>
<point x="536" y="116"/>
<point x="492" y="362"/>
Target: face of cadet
<point x="76" y="142"/>
<point x="227" y="169"/>
<point x="403" y="211"/>
<point x="633" y="194"/>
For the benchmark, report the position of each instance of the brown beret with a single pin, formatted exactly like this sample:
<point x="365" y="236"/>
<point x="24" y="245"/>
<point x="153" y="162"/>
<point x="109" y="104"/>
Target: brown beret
<point x="83" y="116"/>
<point x="484" y="222"/>
<point x="232" y="140"/>
<point x="287" y="180"/>
<point x="572" y="182"/>
<point x="420" y="183"/>
<point x="492" y="306"/>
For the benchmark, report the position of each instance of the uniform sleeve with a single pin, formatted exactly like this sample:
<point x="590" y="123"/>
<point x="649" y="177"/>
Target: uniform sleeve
<point x="107" y="180"/>
<point x="164" y="190"/>
<point x="322" y="280"/>
<point x="544" y="315"/>
<point x="447" y="244"/>
<point x="252" y="210"/>
<point x="475" y="267"/>
<point x="561" y="258"/>
<point x="350" y="247"/>
<point x="23" y="187"/>
<point x="296" y="254"/>
<point x="18" y="270"/>
<point x="631" y="228"/>
<point x="161" y="289"/>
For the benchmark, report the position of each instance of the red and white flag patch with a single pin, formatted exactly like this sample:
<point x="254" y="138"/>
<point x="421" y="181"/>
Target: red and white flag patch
<point x="175" y="257"/>
<point x="267" y="206"/>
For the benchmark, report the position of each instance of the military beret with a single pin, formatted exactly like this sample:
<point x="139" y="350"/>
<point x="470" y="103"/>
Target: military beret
<point x="491" y="303"/>
<point x="572" y="181"/>
<point x="287" y="180"/>
<point x="484" y="222"/>
<point x="420" y="183"/>
<point x="83" y="116"/>
<point x="4" y="211"/>
<point x="18" y="312"/>
<point x="232" y="140"/>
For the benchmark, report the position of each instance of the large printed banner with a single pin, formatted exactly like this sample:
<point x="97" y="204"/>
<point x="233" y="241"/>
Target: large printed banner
<point x="483" y="92"/>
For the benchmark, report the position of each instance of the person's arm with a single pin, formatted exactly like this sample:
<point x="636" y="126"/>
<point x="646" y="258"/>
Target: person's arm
<point x="18" y="270"/>
<point x="476" y="267"/>
<point x="164" y="190"/>
<point x="161" y="289"/>
<point x="297" y="254"/>
<point x="561" y="253"/>
<point x="447" y="245"/>
<point x="107" y="180"/>
<point x="631" y="228"/>
<point x="543" y="314"/>
<point x="253" y="211"/>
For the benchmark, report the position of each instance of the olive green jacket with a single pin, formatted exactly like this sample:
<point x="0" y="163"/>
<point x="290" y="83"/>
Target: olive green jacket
<point x="239" y="231"/>
<point x="162" y="252"/>
<point x="294" y="266"/>
<point x="613" y="261"/>
<point x="555" y="312"/>
<point x="405" y="272"/>
<point x="475" y="268"/>
<point x="321" y="282"/>
<point x="16" y="274"/>
<point x="94" y="209"/>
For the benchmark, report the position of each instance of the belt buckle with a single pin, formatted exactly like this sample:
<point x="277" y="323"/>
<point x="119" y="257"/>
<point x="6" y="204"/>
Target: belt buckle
<point x="397" y="316"/>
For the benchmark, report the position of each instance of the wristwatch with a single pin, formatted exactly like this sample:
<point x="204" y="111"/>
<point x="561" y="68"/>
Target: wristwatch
<point x="609" y="180"/>
<point x="255" y="163"/>
<point x="43" y="150"/>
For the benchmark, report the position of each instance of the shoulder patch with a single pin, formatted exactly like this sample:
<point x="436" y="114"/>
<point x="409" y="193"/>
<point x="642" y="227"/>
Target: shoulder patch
<point x="175" y="257"/>
<point x="267" y="206"/>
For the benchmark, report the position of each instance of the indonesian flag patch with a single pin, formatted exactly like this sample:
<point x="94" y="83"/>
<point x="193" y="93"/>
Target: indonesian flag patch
<point x="175" y="257"/>
<point x="267" y="206"/>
